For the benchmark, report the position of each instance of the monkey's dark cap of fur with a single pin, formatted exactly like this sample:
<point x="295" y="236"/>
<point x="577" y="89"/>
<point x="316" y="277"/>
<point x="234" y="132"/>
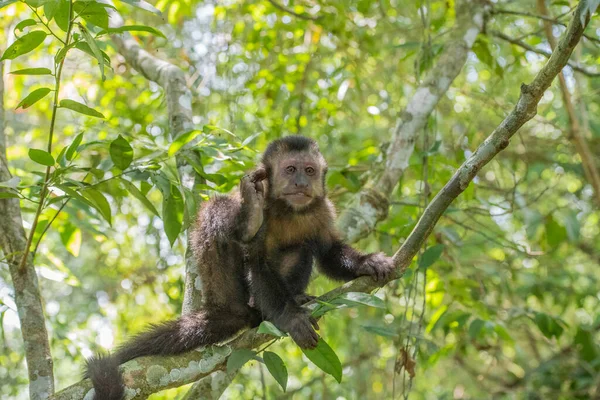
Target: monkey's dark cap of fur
<point x="290" y="143"/>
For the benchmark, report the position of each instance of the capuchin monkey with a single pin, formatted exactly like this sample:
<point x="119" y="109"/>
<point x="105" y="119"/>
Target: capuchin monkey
<point x="254" y="250"/>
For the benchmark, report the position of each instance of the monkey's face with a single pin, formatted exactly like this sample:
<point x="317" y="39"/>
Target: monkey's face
<point x="297" y="179"/>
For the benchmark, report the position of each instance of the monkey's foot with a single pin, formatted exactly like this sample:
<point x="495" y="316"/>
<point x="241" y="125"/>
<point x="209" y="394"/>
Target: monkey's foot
<point x="304" y="298"/>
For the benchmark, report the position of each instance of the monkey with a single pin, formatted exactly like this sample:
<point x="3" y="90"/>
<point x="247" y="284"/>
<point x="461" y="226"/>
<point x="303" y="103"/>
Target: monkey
<point x="255" y="250"/>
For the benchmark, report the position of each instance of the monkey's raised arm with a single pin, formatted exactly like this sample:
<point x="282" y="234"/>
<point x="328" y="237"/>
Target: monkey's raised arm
<point x="252" y="193"/>
<point x="340" y="261"/>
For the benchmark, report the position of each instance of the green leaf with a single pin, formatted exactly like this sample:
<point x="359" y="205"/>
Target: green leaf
<point x="238" y="358"/>
<point x="61" y="15"/>
<point x="70" y="236"/>
<point x="181" y="141"/>
<point x="41" y="157"/>
<point x="95" y="49"/>
<point x="24" y="44"/>
<point x="431" y="255"/>
<point x="475" y="328"/>
<point x="99" y="202"/>
<point x="135" y="28"/>
<point x="24" y="24"/>
<point x="73" y="147"/>
<point x="80" y="108"/>
<point x="381" y="331"/>
<point x="173" y="213"/>
<point x="548" y="325"/>
<point x="270" y="329"/>
<point x="555" y="233"/>
<point x="50" y="8"/>
<point x="32" y="71"/>
<point x="131" y="188"/>
<point x="121" y="153"/>
<point x="325" y="358"/>
<point x="83" y="46"/>
<point x="352" y="299"/>
<point x="92" y="12"/>
<point x="277" y="368"/>
<point x="62" y="53"/>
<point x="33" y="97"/>
<point x="8" y="195"/>
<point x="144" y="5"/>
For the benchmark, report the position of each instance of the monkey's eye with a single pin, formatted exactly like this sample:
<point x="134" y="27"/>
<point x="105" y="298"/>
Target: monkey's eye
<point x="290" y="169"/>
<point x="310" y="171"/>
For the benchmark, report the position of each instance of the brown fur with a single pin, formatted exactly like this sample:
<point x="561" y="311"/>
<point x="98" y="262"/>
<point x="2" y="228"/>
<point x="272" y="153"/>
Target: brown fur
<point x="254" y="251"/>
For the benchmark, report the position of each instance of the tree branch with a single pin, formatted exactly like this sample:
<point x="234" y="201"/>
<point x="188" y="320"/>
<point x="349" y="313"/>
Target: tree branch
<point x="152" y="374"/>
<point x="28" y="298"/>
<point x="292" y="12"/>
<point x="547" y="54"/>
<point x="179" y="108"/>
<point x="371" y="205"/>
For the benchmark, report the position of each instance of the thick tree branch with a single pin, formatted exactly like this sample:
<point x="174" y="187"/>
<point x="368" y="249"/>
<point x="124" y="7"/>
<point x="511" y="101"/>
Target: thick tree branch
<point x="152" y="374"/>
<point x="371" y="205"/>
<point x="179" y="107"/>
<point x="576" y="133"/>
<point x="13" y="243"/>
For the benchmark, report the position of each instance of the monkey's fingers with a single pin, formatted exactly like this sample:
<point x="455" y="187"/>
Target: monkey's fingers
<point x="259" y="174"/>
<point x="314" y="323"/>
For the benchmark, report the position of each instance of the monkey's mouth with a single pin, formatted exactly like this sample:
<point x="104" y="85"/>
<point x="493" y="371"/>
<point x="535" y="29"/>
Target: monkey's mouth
<point x="298" y="198"/>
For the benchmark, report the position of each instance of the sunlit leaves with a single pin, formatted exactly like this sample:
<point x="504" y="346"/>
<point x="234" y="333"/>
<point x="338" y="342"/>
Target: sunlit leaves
<point x="32" y="71"/>
<point x="136" y="28"/>
<point x="144" y="5"/>
<point x="33" y="97"/>
<point x="92" y="12"/>
<point x="61" y="14"/>
<point x="41" y="157"/>
<point x="94" y="48"/>
<point x="325" y="358"/>
<point x="172" y="212"/>
<point x="277" y="368"/>
<point x="80" y="108"/>
<point x="24" y="45"/>
<point x="358" y="298"/>
<point x="72" y="149"/>
<point x="238" y="358"/>
<point x="181" y="141"/>
<point x="135" y="192"/>
<point x="99" y="202"/>
<point x="270" y="329"/>
<point x="24" y="24"/>
<point x="121" y="152"/>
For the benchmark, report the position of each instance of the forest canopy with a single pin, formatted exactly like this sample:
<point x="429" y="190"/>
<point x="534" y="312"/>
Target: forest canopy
<point x="462" y="137"/>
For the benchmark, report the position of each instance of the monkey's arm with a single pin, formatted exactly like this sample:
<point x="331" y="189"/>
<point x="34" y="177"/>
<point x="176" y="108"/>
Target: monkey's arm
<point x="250" y="218"/>
<point x="340" y="261"/>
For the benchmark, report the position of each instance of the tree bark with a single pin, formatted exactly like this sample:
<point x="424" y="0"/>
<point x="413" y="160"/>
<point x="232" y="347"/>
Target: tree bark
<point x="179" y="108"/>
<point x="25" y="281"/>
<point x="371" y="205"/>
<point x="152" y="374"/>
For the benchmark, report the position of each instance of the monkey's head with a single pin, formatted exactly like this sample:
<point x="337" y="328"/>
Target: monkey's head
<point x="296" y="172"/>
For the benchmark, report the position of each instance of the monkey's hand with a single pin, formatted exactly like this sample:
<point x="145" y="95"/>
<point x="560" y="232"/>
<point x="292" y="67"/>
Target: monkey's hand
<point x="303" y="298"/>
<point x="253" y="199"/>
<point x="377" y="265"/>
<point x="301" y="327"/>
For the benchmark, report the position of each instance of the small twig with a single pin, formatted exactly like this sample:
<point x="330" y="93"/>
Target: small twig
<point x="292" y="12"/>
<point x="544" y="53"/>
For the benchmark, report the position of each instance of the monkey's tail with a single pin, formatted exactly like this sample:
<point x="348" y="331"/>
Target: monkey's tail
<point x="169" y="338"/>
<point x="103" y="370"/>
